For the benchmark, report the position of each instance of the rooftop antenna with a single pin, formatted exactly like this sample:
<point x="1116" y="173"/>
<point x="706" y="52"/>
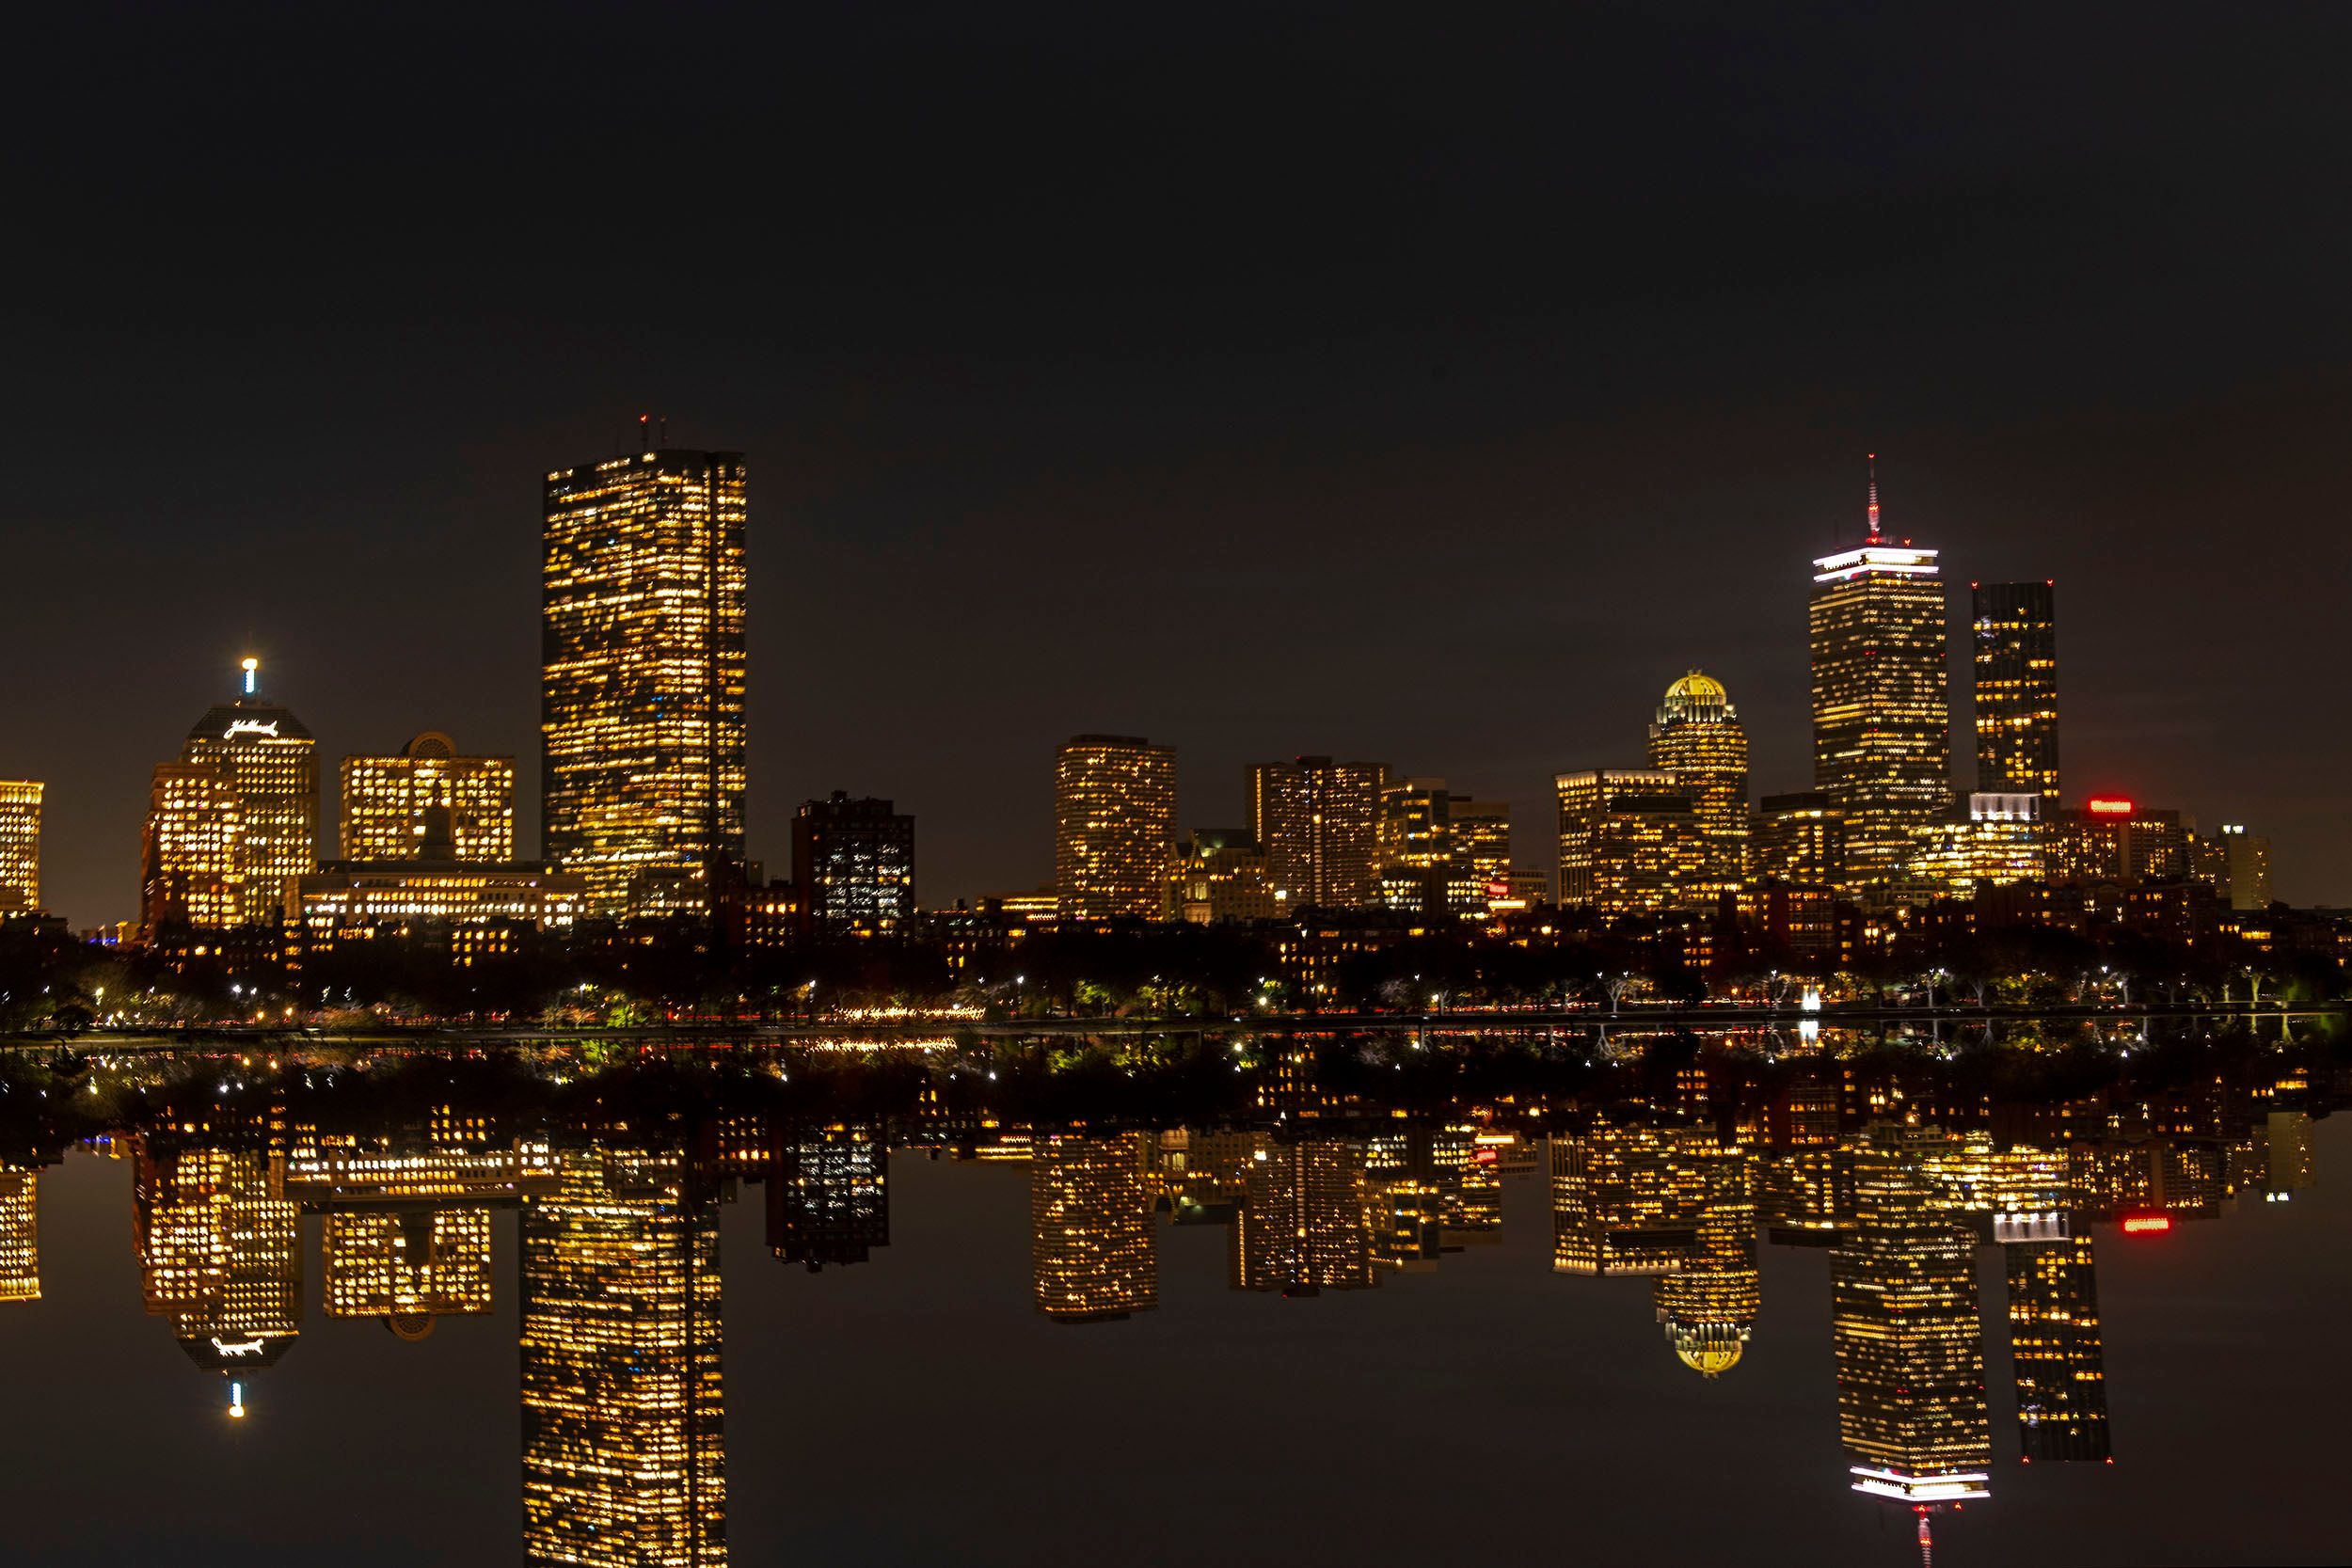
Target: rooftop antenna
<point x="1874" y="498"/>
<point x="645" y="430"/>
<point x="252" y="668"/>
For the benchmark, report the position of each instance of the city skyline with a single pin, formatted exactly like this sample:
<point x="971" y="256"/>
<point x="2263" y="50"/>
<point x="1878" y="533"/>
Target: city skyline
<point x="1003" y="380"/>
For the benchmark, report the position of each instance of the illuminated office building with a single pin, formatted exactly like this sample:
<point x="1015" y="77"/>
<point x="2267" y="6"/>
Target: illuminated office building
<point x="1627" y="1200"/>
<point x="264" y="757"/>
<point x="2113" y="839"/>
<point x="218" y="1256"/>
<point x="20" y="1235"/>
<point x="1114" y="818"/>
<point x="1439" y="851"/>
<point x="641" y="711"/>
<point x="192" y="865"/>
<point x="2015" y="632"/>
<point x="1631" y="842"/>
<point x="1092" y="1246"/>
<point x="1199" y="1172"/>
<point x="390" y="803"/>
<point x="2001" y="842"/>
<point x="1797" y="838"/>
<point x="853" y="863"/>
<point x="20" y="846"/>
<point x="1319" y="823"/>
<point x="409" y="1264"/>
<point x="828" y="1196"/>
<point x="1709" y="1303"/>
<point x="1697" y="739"/>
<point x="1219" y="874"/>
<point x="623" y="1416"/>
<point x="1300" y="1227"/>
<point x="2233" y="863"/>
<point x="2055" y="1348"/>
<point x="1881" y="699"/>
<point x="1910" y="1346"/>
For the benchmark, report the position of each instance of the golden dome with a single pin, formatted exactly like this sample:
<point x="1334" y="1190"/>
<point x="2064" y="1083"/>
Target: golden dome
<point x="1697" y="686"/>
<point x="1710" y="1350"/>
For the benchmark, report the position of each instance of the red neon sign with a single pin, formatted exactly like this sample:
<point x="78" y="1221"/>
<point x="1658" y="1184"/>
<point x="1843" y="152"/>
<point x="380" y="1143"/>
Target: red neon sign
<point x="2108" y="806"/>
<point x="2138" y="1225"/>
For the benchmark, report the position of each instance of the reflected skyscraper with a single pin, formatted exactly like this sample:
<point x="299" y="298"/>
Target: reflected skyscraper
<point x="1300" y="1226"/>
<point x="829" y="1195"/>
<point x="408" y="1265"/>
<point x="623" y="1460"/>
<point x="1091" y="1246"/>
<point x="1708" y="1304"/>
<point x="20" y="1235"/>
<point x="2054" y="1345"/>
<point x="1911" y="1402"/>
<point x="217" y="1256"/>
<point x="1627" y="1200"/>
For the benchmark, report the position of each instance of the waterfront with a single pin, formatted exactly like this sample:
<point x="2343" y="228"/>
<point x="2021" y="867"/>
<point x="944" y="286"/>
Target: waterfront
<point x="1029" y="1336"/>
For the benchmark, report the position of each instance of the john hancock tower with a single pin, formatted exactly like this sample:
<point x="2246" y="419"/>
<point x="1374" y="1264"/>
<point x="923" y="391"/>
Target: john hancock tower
<point x="643" y="674"/>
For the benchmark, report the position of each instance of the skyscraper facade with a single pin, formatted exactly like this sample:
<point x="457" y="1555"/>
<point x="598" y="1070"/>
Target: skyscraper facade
<point x="218" y="1255"/>
<point x="1911" y="1401"/>
<point x="1091" y="1247"/>
<point x="2057" y="1350"/>
<point x="387" y="803"/>
<point x="641" y="710"/>
<point x="1630" y="842"/>
<point x="20" y="845"/>
<point x="1300" y="1226"/>
<point x="828" y="1195"/>
<point x="1881" y="699"/>
<point x="1319" y="823"/>
<point x="1114" y="819"/>
<point x="20" y="1234"/>
<point x="191" y="861"/>
<point x="265" y="757"/>
<point x="624" y="1428"/>
<point x="1697" y="738"/>
<point x="854" y="861"/>
<point x="2014" y="631"/>
<point x="1797" y="838"/>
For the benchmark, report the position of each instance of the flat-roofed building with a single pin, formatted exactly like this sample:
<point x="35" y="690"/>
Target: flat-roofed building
<point x="388" y="799"/>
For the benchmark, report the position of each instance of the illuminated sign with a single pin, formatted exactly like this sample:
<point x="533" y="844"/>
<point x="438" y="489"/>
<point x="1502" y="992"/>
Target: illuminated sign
<point x="1484" y="1157"/>
<point x="1498" y="890"/>
<point x="2105" y="806"/>
<point x="251" y="726"/>
<point x="2141" y="1225"/>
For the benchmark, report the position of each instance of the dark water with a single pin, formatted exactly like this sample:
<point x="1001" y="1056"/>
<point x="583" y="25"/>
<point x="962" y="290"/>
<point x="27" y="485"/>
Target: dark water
<point x="916" y="1406"/>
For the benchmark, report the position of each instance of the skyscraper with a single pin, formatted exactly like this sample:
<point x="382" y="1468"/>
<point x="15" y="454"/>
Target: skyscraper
<point x="1114" y="819"/>
<point x="641" y="713"/>
<point x="191" y="861"/>
<point x="1881" y="698"/>
<point x="387" y="802"/>
<point x="1797" y="838"/>
<point x="2055" y="1348"/>
<point x="20" y="1234"/>
<point x="1091" y="1246"/>
<point x="1627" y="1200"/>
<point x="828" y="1195"/>
<point x="409" y="1264"/>
<point x="1910" y="1403"/>
<point x="1319" y="823"/>
<point x="624" y="1421"/>
<point x="1697" y="738"/>
<point x="1300" y="1226"/>
<point x="1708" y="1304"/>
<point x="853" y="863"/>
<point x="2015" y="634"/>
<point x="1630" y="842"/>
<point x="20" y="845"/>
<point x="265" y="757"/>
<point x="218" y="1256"/>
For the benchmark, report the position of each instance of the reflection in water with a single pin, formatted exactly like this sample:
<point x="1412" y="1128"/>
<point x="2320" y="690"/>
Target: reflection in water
<point x="1323" y="1184"/>
<point x="623" y="1457"/>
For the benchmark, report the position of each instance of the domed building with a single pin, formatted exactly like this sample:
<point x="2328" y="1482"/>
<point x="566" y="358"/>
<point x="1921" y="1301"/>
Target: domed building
<point x="1698" y="739"/>
<point x="1708" y="1304"/>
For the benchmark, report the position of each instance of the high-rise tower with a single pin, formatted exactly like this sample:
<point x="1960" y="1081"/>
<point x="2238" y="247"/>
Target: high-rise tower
<point x="1114" y="818"/>
<point x="1881" y="698"/>
<point x="2014" y="630"/>
<point x="20" y="845"/>
<point x="1319" y="823"/>
<point x="1091" y="1244"/>
<point x="1698" y="739"/>
<point x="264" y="757"/>
<point x="640" y="716"/>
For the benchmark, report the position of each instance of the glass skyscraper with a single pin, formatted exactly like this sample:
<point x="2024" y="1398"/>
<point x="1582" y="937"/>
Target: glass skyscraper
<point x="642" y="673"/>
<point x="2013" y="628"/>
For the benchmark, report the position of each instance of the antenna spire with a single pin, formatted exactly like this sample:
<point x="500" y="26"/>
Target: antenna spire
<point x="1874" y="498"/>
<point x="252" y="668"/>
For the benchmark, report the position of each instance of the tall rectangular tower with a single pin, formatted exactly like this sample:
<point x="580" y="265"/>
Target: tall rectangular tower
<point x="642" y="682"/>
<point x="1881" y="699"/>
<point x="854" y="861"/>
<point x="20" y="845"/>
<point x="1319" y="823"/>
<point x="2014" y="627"/>
<point x="266" y="758"/>
<point x="1114" y="819"/>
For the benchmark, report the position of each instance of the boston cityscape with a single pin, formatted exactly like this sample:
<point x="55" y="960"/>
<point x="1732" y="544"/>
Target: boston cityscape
<point x="1308" y="788"/>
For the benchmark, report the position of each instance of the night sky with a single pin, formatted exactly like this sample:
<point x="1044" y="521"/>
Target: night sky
<point x="1424" y="389"/>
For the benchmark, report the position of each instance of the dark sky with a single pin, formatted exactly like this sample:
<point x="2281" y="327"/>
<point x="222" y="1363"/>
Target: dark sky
<point x="1427" y="389"/>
